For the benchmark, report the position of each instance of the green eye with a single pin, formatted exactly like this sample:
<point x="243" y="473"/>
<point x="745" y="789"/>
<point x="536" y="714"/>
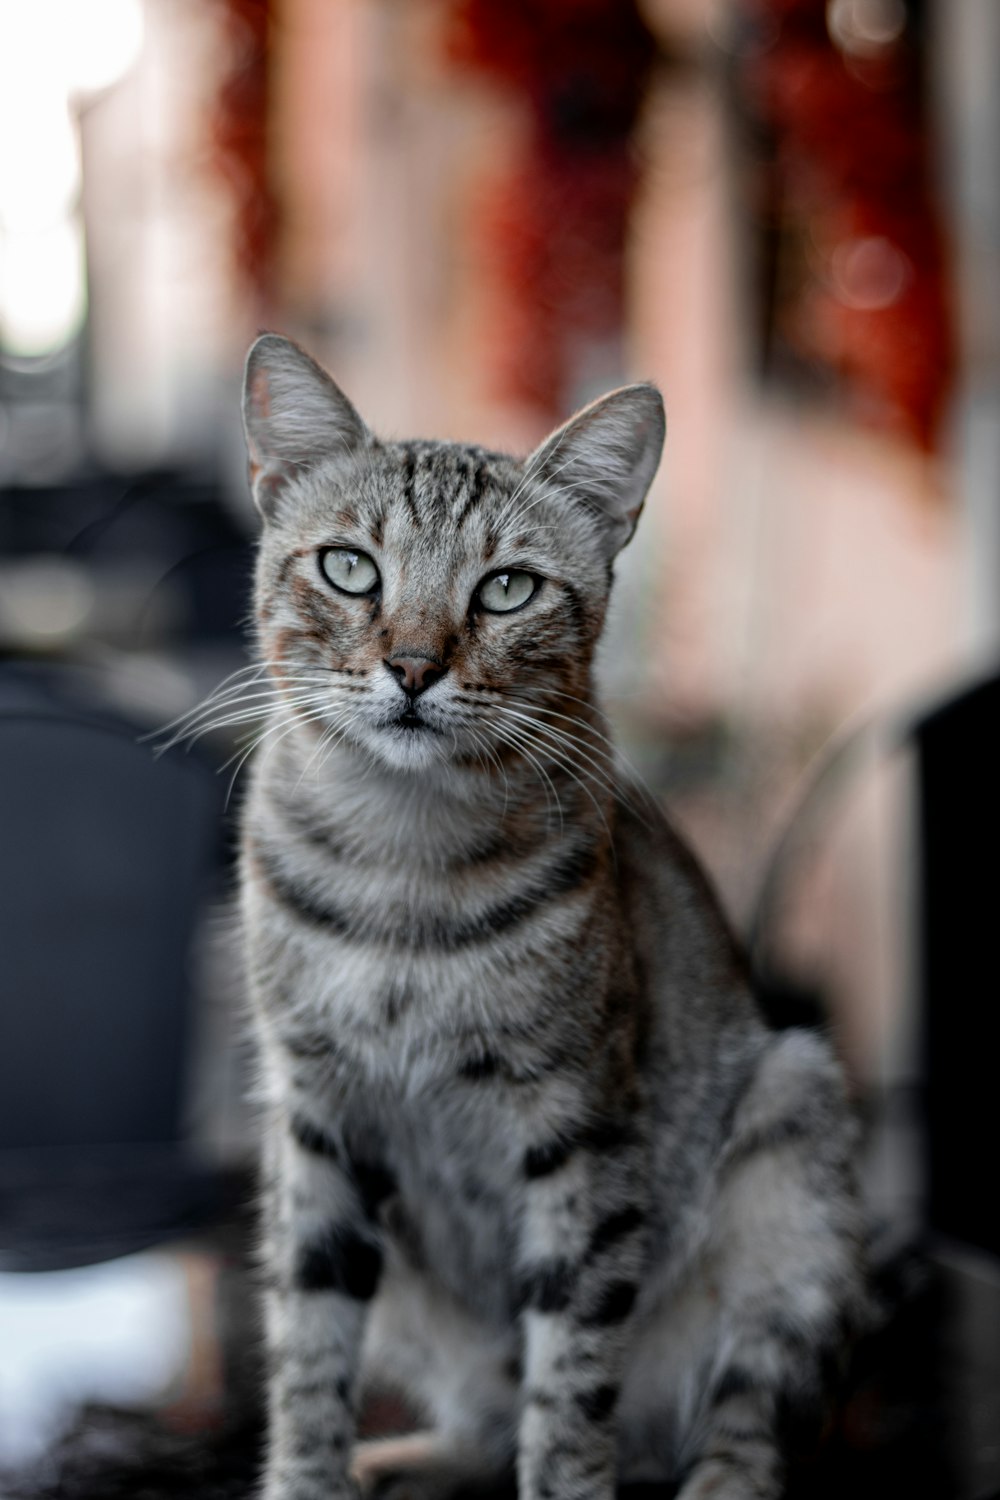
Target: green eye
<point x="507" y="591"/>
<point x="351" y="572"/>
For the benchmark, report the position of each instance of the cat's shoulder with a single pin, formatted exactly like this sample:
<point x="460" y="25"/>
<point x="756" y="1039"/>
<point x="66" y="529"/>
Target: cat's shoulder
<point x="670" y="898"/>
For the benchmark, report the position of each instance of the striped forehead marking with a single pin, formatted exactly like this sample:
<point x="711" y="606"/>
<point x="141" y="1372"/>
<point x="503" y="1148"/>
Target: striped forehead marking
<point x="442" y="482"/>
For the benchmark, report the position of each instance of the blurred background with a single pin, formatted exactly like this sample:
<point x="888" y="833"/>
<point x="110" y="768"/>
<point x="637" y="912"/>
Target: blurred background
<point x="479" y="215"/>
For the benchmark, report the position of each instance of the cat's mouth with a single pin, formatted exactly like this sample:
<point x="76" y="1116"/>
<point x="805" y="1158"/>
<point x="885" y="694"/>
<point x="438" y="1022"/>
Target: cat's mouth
<point x="411" y="720"/>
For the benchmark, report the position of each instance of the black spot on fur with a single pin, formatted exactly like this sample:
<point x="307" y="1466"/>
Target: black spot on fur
<point x="612" y="1306"/>
<point x="398" y="999"/>
<point x="374" y="1183"/>
<point x="340" y="1261"/>
<point x="609" y="1135"/>
<point x="614" y="1228"/>
<point x="600" y="1136"/>
<point x="311" y="1138"/>
<point x="548" y="1288"/>
<point x="485" y="1065"/>
<point x="598" y="1403"/>
<point x="542" y="1161"/>
<point x="736" y="1381"/>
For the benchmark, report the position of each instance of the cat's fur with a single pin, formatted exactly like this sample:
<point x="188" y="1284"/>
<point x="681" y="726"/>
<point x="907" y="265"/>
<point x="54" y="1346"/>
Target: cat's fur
<point x="532" y="1153"/>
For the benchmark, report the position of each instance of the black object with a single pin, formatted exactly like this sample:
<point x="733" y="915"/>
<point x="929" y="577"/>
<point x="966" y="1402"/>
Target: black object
<point x="106" y="857"/>
<point x="959" y="820"/>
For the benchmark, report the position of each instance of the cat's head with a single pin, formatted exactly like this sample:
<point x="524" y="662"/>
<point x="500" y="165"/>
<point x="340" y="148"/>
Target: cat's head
<point x="431" y="601"/>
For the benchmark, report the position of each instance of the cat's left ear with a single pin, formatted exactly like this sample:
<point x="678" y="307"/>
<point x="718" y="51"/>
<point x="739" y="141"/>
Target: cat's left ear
<point x="294" y="416"/>
<point x="605" y="457"/>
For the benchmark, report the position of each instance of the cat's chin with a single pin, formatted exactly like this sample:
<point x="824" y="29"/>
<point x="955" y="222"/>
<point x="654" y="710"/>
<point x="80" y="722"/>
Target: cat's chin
<point x="403" y="749"/>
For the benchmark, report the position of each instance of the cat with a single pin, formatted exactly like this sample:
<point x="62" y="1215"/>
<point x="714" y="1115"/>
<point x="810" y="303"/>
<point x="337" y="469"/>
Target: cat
<point x="531" y="1155"/>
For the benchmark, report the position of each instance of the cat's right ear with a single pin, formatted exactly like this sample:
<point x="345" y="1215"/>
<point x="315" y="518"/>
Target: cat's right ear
<point x="294" y="416"/>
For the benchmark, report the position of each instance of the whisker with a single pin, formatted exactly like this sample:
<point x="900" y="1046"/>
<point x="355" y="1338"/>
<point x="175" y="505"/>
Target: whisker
<point x="518" y="740"/>
<point x="558" y="736"/>
<point x="617" y="756"/>
<point x="567" y="768"/>
<point x="285" y="725"/>
<point x="232" y="715"/>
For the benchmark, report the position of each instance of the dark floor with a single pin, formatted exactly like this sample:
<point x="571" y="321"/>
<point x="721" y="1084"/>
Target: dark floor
<point x="921" y="1417"/>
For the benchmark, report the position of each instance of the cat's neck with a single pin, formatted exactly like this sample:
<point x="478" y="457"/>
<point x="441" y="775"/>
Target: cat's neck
<point x="439" y="813"/>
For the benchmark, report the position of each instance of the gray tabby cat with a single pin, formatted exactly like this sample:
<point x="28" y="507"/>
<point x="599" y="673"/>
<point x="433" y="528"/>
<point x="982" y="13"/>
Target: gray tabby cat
<point x="532" y="1154"/>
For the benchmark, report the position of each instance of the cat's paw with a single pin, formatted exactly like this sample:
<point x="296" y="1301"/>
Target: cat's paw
<point x="417" y="1466"/>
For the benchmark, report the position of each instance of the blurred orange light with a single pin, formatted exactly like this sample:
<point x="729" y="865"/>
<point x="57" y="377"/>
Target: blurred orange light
<point x="864" y="28"/>
<point x="869" y="273"/>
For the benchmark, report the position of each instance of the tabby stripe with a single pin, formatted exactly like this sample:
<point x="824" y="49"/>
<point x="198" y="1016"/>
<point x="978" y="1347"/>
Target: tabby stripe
<point x="475" y="494"/>
<point x="736" y="1381"/>
<point x="409" y="468"/>
<point x="433" y="932"/>
<point x="598" y="1403"/>
<point x="612" y="1306"/>
<point x="542" y="1161"/>
<point x="374" y="1183"/>
<point x="312" y="1438"/>
<point x="307" y="1044"/>
<point x="548" y="1288"/>
<point x="490" y="1065"/>
<point x="486" y="1065"/>
<point x="311" y="1138"/>
<point x="723" y="1432"/>
<point x="767" y="1138"/>
<point x="292" y="896"/>
<point x="320" y="838"/>
<point x="295" y="1391"/>
<point x="607" y="1135"/>
<point x="614" y="1228"/>
<point x="577" y="613"/>
<point x="341" y="1261"/>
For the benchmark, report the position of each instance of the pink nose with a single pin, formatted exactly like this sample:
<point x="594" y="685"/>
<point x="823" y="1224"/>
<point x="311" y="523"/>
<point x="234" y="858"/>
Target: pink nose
<point x="414" y="673"/>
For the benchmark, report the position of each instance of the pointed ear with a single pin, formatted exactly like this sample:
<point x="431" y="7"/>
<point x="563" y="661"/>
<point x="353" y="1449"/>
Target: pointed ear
<point x="605" y="457"/>
<point x="293" y="415"/>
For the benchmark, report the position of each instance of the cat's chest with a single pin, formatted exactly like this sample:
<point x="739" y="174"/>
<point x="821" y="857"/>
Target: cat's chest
<point x="405" y="965"/>
<point x="450" y="1159"/>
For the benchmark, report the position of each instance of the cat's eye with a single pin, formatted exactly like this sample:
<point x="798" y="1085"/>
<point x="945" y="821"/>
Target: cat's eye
<point x="351" y="572"/>
<point x="506" y="591"/>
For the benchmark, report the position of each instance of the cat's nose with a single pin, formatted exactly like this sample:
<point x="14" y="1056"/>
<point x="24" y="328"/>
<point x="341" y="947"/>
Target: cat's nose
<point x="415" y="673"/>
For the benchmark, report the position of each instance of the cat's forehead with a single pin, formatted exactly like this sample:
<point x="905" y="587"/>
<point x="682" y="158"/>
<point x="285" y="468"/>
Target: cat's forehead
<point x="432" y="496"/>
<point x="444" y="484"/>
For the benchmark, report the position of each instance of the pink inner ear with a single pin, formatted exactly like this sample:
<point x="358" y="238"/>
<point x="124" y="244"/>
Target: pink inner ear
<point x="260" y="395"/>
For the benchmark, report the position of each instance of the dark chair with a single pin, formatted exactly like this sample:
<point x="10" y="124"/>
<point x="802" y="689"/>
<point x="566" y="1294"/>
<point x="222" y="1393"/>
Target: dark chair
<point x="107" y="855"/>
<point x="958" y="787"/>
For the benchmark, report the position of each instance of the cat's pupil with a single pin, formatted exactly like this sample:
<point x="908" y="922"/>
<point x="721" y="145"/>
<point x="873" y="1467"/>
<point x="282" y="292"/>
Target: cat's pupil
<point x="505" y="591"/>
<point x="352" y="572"/>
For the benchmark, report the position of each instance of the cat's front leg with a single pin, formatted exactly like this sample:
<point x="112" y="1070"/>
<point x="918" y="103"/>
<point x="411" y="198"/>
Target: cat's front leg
<point x="582" y="1261"/>
<point x="323" y="1263"/>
